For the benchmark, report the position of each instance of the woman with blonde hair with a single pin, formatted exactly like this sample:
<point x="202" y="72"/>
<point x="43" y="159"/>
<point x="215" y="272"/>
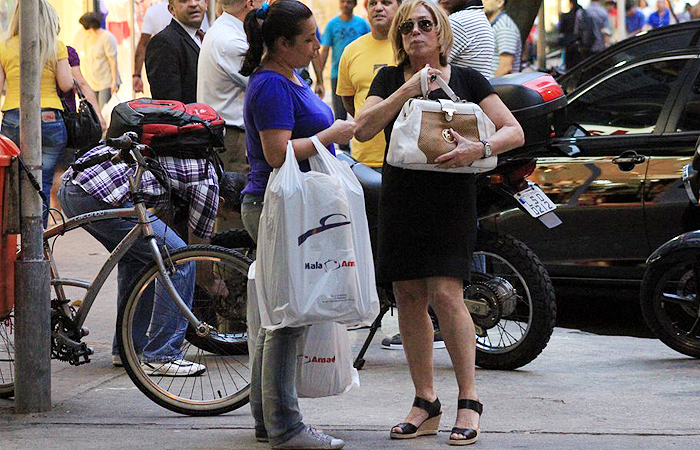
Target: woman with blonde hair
<point x="427" y="224"/>
<point x="56" y="70"/>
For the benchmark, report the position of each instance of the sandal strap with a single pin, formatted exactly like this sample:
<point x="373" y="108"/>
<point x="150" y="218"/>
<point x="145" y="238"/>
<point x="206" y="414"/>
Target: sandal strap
<point x="406" y="428"/>
<point x="474" y="405"/>
<point x="432" y="408"/>
<point x="468" y="433"/>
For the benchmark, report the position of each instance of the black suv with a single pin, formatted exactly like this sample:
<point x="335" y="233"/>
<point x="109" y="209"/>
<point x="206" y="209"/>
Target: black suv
<point x="614" y="163"/>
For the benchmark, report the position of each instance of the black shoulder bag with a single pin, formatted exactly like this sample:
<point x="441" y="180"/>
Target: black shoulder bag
<point x="83" y="125"/>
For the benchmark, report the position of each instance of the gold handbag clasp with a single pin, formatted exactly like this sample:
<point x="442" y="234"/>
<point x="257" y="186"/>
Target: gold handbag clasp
<point x="447" y="136"/>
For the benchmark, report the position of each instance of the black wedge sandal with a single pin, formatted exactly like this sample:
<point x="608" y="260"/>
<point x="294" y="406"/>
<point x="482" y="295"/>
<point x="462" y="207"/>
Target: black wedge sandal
<point x="429" y="426"/>
<point x="470" y="434"/>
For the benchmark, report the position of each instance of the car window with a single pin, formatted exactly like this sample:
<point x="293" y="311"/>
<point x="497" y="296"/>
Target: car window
<point x="690" y="117"/>
<point x="629" y="102"/>
<point x="644" y="47"/>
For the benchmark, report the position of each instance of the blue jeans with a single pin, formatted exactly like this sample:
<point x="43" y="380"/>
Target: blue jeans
<point x="159" y="328"/>
<point x="273" y="394"/>
<point x="53" y="142"/>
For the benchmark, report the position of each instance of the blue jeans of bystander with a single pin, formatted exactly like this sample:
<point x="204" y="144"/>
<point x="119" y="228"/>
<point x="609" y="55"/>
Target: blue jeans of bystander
<point x="53" y="142"/>
<point x="273" y="395"/>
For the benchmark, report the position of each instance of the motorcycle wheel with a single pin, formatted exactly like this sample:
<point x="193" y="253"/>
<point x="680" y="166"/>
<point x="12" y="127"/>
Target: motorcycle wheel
<point x="520" y="336"/>
<point x="668" y="301"/>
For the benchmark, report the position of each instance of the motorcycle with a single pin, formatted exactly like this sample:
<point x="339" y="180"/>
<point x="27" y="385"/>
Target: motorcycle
<point x="510" y="295"/>
<point x="670" y="293"/>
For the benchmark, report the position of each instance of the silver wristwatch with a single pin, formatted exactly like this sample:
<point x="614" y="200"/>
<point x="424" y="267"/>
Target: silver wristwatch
<point x="487" y="149"/>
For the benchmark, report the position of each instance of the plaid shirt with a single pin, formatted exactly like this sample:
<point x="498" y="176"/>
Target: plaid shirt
<point x="194" y="180"/>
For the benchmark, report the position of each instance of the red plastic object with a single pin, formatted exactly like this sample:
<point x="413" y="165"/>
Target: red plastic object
<point x="8" y="242"/>
<point x="546" y="86"/>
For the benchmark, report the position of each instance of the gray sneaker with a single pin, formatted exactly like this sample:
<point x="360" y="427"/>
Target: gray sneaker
<point x="395" y="343"/>
<point x="310" y="438"/>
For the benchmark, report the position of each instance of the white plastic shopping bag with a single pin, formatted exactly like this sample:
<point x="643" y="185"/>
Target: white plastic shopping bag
<point x="324" y="363"/>
<point x="324" y="367"/>
<point x="307" y="266"/>
<point x="252" y="311"/>
<point x="325" y="162"/>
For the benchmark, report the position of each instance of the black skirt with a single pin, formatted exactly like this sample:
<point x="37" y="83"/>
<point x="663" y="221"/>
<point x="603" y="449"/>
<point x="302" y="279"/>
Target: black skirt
<point x="427" y="224"/>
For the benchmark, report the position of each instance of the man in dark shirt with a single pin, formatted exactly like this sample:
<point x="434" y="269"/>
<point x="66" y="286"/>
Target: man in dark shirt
<point x="171" y="55"/>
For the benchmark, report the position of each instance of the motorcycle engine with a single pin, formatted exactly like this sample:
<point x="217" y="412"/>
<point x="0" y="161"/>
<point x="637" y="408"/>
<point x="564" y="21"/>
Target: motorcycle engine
<point x="489" y="301"/>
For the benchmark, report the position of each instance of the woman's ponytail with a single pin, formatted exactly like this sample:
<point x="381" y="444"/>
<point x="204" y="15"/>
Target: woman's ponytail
<point x="253" y="31"/>
<point x="263" y="26"/>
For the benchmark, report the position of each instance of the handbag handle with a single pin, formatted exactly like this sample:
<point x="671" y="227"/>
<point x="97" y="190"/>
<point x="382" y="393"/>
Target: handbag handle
<point x="79" y="91"/>
<point x="424" y="85"/>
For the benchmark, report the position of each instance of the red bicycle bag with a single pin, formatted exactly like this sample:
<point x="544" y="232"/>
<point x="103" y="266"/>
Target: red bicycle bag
<point x="170" y="127"/>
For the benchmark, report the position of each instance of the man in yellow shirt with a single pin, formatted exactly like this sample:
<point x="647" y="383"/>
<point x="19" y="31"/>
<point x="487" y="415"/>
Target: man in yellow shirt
<point x="360" y="62"/>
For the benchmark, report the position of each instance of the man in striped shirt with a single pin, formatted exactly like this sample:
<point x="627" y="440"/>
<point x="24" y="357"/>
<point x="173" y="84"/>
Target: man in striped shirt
<point x="508" y="53"/>
<point x="473" y="35"/>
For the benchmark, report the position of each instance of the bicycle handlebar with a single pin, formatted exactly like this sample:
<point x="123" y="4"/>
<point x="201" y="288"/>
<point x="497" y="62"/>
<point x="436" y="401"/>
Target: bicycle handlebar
<point x="123" y="142"/>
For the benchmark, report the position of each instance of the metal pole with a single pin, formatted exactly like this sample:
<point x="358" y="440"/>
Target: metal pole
<point x="541" y="37"/>
<point x="32" y="293"/>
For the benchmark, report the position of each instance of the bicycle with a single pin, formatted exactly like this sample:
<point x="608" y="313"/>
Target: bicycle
<point x="216" y="330"/>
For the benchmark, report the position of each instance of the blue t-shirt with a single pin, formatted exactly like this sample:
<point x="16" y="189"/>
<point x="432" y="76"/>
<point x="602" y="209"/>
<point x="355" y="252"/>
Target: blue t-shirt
<point x="339" y="33"/>
<point x="272" y="102"/>
<point x="636" y="22"/>
<point x="655" y="21"/>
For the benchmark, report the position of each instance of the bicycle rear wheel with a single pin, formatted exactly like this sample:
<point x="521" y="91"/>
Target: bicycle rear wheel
<point x="224" y="385"/>
<point x="7" y="356"/>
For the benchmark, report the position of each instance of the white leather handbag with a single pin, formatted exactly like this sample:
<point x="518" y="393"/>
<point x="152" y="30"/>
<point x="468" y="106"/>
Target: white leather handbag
<point x="422" y="131"/>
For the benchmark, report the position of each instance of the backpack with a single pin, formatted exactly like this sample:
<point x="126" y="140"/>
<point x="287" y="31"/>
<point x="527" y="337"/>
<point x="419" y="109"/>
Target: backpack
<point x="170" y="127"/>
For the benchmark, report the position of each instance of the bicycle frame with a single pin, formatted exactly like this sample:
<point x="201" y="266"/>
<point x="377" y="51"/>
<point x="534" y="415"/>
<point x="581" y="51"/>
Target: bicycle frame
<point x="93" y="288"/>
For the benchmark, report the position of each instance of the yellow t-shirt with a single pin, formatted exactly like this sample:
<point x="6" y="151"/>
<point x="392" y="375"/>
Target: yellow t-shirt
<point x="360" y="62"/>
<point x="9" y="58"/>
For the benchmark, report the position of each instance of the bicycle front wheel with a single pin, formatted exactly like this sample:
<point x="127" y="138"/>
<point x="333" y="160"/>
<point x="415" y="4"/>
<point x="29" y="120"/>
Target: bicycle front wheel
<point x="202" y="375"/>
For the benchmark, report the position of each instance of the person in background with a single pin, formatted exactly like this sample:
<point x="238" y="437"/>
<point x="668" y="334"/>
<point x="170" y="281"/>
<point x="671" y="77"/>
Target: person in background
<point x="156" y="18"/>
<point x="508" y="53"/>
<point x="360" y="62"/>
<point x="685" y="16"/>
<point x="634" y="18"/>
<point x="280" y="107"/>
<point x="53" y="56"/>
<point x="172" y="54"/>
<point x="219" y="83"/>
<point x="567" y="36"/>
<point x="661" y="17"/>
<point x="99" y="57"/>
<point x="340" y="31"/>
<point x="474" y="39"/>
<point x="601" y="25"/>
<point x="419" y="208"/>
<point x="69" y="102"/>
<point x="611" y="8"/>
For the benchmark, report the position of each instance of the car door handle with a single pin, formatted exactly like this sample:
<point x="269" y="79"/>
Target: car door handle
<point x="628" y="159"/>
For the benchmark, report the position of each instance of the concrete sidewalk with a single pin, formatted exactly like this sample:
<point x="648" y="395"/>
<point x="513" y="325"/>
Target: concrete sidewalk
<point x="583" y="391"/>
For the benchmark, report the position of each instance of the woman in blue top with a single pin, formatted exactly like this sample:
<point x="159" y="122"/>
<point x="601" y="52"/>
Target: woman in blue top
<point x="279" y="107"/>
